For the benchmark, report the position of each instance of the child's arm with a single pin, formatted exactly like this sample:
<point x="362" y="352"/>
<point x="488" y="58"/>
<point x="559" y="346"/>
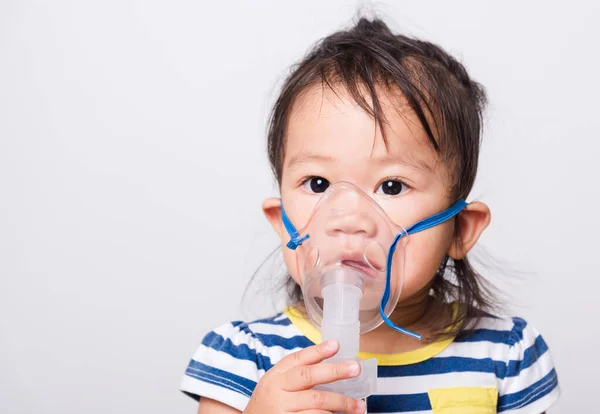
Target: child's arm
<point x="209" y="406"/>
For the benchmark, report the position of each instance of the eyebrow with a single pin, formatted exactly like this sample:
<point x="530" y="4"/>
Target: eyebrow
<point x="395" y="158"/>
<point x="304" y="156"/>
<point x="404" y="159"/>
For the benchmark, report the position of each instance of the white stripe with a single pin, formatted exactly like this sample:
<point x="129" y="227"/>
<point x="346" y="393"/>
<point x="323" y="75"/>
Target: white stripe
<point x="281" y="317"/>
<point x="495" y="351"/>
<point x="204" y="389"/>
<point x="238" y="337"/>
<point x="495" y="324"/>
<point x="422" y="383"/>
<point x="288" y="331"/>
<point x="476" y="350"/>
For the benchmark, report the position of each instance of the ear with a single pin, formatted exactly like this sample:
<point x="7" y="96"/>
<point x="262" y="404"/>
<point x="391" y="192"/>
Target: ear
<point x="272" y="210"/>
<point x="472" y="221"/>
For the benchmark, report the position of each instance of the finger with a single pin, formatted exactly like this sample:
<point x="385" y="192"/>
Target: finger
<point x="307" y="376"/>
<point x="308" y="356"/>
<point x="328" y="402"/>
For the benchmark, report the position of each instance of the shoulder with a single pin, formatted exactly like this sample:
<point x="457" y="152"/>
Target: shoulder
<point x="232" y="358"/>
<point x="507" y="330"/>
<point x="526" y="377"/>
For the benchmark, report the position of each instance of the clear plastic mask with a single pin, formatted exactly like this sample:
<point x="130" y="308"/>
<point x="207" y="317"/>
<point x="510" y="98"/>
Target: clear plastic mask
<point x="349" y="239"/>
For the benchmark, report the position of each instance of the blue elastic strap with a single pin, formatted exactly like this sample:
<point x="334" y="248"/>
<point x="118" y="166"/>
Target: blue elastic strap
<point x="415" y="228"/>
<point x="295" y="239"/>
<point x="438" y="218"/>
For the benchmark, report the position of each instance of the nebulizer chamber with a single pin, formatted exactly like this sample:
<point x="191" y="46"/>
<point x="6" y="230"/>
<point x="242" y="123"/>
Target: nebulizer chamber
<point x="342" y="291"/>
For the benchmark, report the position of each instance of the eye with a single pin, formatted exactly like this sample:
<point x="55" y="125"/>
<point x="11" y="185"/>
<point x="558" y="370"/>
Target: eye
<point x="315" y="185"/>
<point x="392" y="187"/>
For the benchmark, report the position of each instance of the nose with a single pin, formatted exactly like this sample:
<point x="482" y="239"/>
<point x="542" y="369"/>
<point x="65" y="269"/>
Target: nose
<point x="351" y="224"/>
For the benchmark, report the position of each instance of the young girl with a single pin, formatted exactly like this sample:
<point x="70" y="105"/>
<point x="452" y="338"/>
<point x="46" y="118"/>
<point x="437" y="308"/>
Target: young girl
<point x="374" y="142"/>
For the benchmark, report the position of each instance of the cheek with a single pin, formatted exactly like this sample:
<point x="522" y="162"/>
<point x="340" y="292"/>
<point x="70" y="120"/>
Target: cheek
<point x="299" y="206"/>
<point x="291" y="263"/>
<point x="423" y="255"/>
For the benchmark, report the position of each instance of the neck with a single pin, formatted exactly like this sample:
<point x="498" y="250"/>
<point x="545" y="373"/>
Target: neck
<point x="415" y="313"/>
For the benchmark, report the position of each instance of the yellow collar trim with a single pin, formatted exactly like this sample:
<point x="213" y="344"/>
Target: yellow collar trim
<point x="402" y="358"/>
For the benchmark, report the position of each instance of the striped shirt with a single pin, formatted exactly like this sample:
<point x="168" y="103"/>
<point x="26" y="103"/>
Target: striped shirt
<point x="504" y="365"/>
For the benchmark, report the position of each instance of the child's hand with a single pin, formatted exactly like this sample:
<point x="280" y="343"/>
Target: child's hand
<point x="286" y="387"/>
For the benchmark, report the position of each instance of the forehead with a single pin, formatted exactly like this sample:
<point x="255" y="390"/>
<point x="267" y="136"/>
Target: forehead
<point x="330" y="121"/>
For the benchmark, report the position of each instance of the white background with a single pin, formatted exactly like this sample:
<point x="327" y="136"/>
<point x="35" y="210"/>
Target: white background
<point x="132" y="168"/>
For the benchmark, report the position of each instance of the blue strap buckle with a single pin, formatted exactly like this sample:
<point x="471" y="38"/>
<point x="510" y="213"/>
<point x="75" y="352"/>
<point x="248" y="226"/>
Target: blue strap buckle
<point x="296" y="241"/>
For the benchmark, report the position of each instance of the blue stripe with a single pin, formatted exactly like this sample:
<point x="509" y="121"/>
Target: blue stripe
<point x="221" y="378"/>
<point x="496" y="336"/>
<point x="242" y="351"/>
<point x="443" y="366"/>
<point x="517" y="330"/>
<point x="487" y="335"/>
<point x="398" y="403"/>
<point x="530" y="394"/>
<point x="298" y="341"/>
<point x="530" y="356"/>
<point x="270" y="340"/>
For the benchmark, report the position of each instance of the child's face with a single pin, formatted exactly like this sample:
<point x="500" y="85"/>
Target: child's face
<point x="330" y="138"/>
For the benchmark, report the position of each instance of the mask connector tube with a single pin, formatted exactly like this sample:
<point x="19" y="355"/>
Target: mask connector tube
<point x="342" y="290"/>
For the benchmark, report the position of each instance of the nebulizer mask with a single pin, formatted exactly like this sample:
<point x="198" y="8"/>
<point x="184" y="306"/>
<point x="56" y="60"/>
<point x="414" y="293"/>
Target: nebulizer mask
<point x="346" y="254"/>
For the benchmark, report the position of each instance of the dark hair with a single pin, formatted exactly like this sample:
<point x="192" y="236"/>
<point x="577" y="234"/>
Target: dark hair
<point x="369" y="58"/>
